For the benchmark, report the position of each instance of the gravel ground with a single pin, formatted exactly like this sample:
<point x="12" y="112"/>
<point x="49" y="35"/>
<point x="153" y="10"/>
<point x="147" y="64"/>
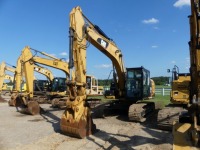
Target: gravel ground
<point x="41" y="132"/>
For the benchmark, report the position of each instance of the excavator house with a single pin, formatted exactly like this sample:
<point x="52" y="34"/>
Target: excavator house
<point x="130" y="84"/>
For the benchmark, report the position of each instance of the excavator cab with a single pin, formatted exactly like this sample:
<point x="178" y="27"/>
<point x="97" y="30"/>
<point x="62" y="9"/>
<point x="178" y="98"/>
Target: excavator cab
<point x="91" y="85"/>
<point x="41" y="85"/>
<point x="58" y="84"/>
<point x="137" y="83"/>
<point x="58" y="91"/>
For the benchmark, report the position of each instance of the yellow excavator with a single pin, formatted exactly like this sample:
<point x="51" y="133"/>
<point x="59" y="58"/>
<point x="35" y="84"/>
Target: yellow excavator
<point x="39" y="86"/>
<point x="5" y="89"/>
<point x="186" y="131"/>
<point x="4" y="76"/>
<point x="131" y="84"/>
<point x="179" y="98"/>
<point x="56" y="92"/>
<point x="26" y="63"/>
<point x="25" y="100"/>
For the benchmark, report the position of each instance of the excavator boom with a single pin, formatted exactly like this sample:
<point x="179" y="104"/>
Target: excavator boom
<point x="82" y="28"/>
<point x="46" y="72"/>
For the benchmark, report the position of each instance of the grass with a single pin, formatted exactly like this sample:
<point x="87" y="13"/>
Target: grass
<point x="160" y="101"/>
<point x="162" y="86"/>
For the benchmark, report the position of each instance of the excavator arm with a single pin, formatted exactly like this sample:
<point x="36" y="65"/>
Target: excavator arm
<point x="55" y="63"/>
<point x="81" y="29"/>
<point x="50" y="61"/>
<point x="46" y="72"/>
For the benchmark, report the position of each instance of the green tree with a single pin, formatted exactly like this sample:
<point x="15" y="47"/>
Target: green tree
<point x="161" y="80"/>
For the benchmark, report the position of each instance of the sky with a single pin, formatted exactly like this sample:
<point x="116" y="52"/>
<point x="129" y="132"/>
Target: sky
<point x="153" y="34"/>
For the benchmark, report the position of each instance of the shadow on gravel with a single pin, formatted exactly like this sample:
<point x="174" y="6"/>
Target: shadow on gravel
<point x="110" y="141"/>
<point x="129" y="142"/>
<point x="156" y="137"/>
<point x="53" y="119"/>
<point x="151" y="120"/>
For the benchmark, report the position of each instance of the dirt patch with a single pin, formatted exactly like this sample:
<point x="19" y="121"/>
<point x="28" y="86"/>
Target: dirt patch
<point x="115" y="131"/>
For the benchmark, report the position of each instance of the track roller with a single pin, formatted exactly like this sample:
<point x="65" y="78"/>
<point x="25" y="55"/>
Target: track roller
<point x="139" y="111"/>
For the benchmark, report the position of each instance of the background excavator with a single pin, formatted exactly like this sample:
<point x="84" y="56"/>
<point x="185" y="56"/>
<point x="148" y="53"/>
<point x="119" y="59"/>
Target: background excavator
<point x="39" y="86"/>
<point x="26" y="63"/>
<point x="56" y="91"/>
<point x="4" y="76"/>
<point x="5" y="89"/>
<point x="179" y="98"/>
<point x="186" y="131"/>
<point x="131" y="84"/>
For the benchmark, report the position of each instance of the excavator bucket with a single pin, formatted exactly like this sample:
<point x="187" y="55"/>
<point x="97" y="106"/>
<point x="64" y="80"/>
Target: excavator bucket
<point x="77" y="121"/>
<point x="2" y="99"/>
<point x="31" y="108"/>
<point x="12" y="101"/>
<point x="26" y="105"/>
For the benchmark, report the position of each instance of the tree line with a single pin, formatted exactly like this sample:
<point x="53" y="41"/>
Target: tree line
<point x="158" y="81"/>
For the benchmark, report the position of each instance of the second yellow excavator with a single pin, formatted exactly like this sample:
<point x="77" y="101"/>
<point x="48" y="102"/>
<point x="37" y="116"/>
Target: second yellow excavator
<point x="179" y="98"/>
<point x="186" y="131"/>
<point x="39" y="86"/>
<point x="26" y="63"/>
